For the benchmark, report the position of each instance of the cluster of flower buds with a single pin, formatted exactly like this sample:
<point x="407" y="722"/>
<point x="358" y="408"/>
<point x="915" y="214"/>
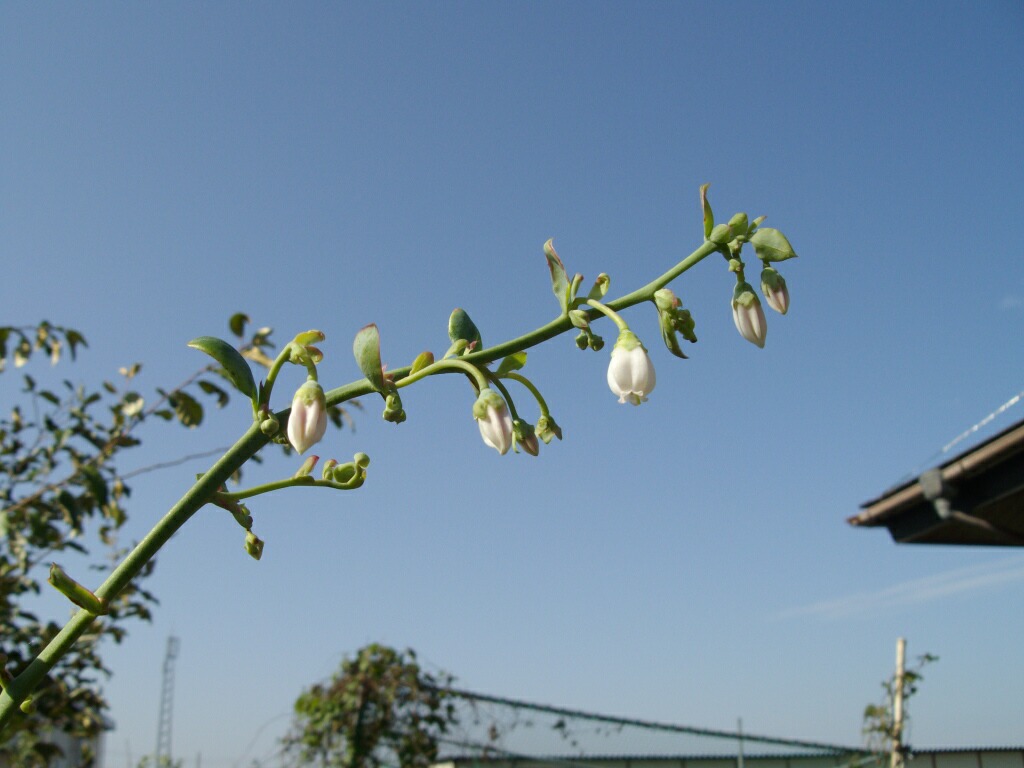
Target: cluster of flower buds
<point x="770" y="246"/>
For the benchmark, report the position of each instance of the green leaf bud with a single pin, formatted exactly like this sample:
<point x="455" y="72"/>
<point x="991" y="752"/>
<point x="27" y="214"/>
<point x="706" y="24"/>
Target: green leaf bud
<point x="600" y="287"/>
<point x="306" y="468"/>
<point x="423" y="359"/>
<point x="461" y="326"/>
<point x="547" y="429"/>
<point x="709" y="217"/>
<point x="579" y="318"/>
<point x="270" y="426"/>
<point x="721" y="235"/>
<point x="596" y="342"/>
<point x="253" y="545"/>
<point x="739" y="224"/>
<point x="361" y="460"/>
<point x="75" y="592"/>
<point x="366" y="348"/>
<point x="329" y="466"/>
<point x="582" y="340"/>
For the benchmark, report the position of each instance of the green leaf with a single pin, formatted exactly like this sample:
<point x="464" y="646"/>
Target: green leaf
<point x="212" y="389"/>
<point x="237" y="323"/>
<point x="187" y="409"/>
<point x="461" y="327"/>
<point x="771" y="245"/>
<point x="513" y="362"/>
<point x="234" y="365"/>
<point x="559" y="279"/>
<point x="96" y="484"/>
<point x="366" y="349"/>
<point x="709" y="217"/>
<point x="74" y="338"/>
<point x="423" y="359"/>
<point x="600" y="287"/>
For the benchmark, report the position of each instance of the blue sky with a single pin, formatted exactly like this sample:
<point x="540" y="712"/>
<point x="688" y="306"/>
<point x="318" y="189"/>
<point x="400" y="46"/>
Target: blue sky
<point x="330" y="165"/>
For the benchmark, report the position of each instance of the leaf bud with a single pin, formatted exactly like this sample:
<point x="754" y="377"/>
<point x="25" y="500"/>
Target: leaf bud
<point x="253" y="545"/>
<point x="329" y="466"/>
<point x="739" y="224"/>
<point x="547" y="429"/>
<point x="269" y="426"/>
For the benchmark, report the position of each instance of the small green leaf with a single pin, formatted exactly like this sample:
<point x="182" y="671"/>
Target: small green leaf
<point x="186" y="408"/>
<point x="600" y="287"/>
<point x="709" y="217"/>
<point x="74" y="338"/>
<point x="96" y="484"/>
<point x="366" y="349"/>
<point x="237" y="323"/>
<point x="423" y="359"/>
<point x="234" y="365"/>
<point x="212" y="389"/>
<point x="771" y="245"/>
<point x="513" y="362"/>
<point x="559" y="279"/>
<point x="460" y="326"/>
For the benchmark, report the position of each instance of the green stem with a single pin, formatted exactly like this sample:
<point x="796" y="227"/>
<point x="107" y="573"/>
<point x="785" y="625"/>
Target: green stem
<point x="504" y="392"/>
<point x="17" y="689"/>
<point x="611" y="314"/>
<point x="533" y="390"/>
<point x="21" y="686"/>
<point x="537" y="336"/>
<point x="274" y="370"/>
<point x="292" y="482"/>
<point x="451" y="364"/>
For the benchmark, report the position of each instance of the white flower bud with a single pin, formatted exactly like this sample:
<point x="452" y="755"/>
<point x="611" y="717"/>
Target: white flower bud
<point x="773" y="286"/>
<point x="630" y="372"/>
<point x="307" y="422"/>
<point x="495" y="424"/>
<point x="748" y="315"/>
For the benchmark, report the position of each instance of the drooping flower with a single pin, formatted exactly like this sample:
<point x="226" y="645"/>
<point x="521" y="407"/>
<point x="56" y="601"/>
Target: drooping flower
<point x="495" y="424"/>
<point x="630" y="372"/>
<point x="773" y="286"/>
<point x="525" y="437"/>
<point x="307" y="422"/>
<point x="748" y="315"/>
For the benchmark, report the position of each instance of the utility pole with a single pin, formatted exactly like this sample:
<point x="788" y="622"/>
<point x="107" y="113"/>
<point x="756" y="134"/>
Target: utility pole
<point x="163" y="725"/>
<point x="896" y="756"/>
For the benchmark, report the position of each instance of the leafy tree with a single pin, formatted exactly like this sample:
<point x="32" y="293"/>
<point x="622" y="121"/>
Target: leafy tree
<point x="379" y="709"/>
<point x="880" y="729"/>
<point x="62" y="495"/>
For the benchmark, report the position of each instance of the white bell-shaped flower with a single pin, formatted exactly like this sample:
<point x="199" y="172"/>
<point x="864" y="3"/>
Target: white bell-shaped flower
<point x="630" y="372"/>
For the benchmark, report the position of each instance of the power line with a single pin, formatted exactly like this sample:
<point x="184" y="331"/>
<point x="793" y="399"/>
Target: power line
<point x="649" y="724"/>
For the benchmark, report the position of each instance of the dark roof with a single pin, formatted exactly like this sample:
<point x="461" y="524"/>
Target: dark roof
<point x="977" y="498"/>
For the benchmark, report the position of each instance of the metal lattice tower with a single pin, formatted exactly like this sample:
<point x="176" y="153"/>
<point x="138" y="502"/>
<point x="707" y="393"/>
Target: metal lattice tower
<point x="163" y="725"/>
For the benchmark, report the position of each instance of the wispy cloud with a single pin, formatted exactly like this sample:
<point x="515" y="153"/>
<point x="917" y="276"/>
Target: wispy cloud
<point x="1011" y="302"/>
<point x="930" y="588"/>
